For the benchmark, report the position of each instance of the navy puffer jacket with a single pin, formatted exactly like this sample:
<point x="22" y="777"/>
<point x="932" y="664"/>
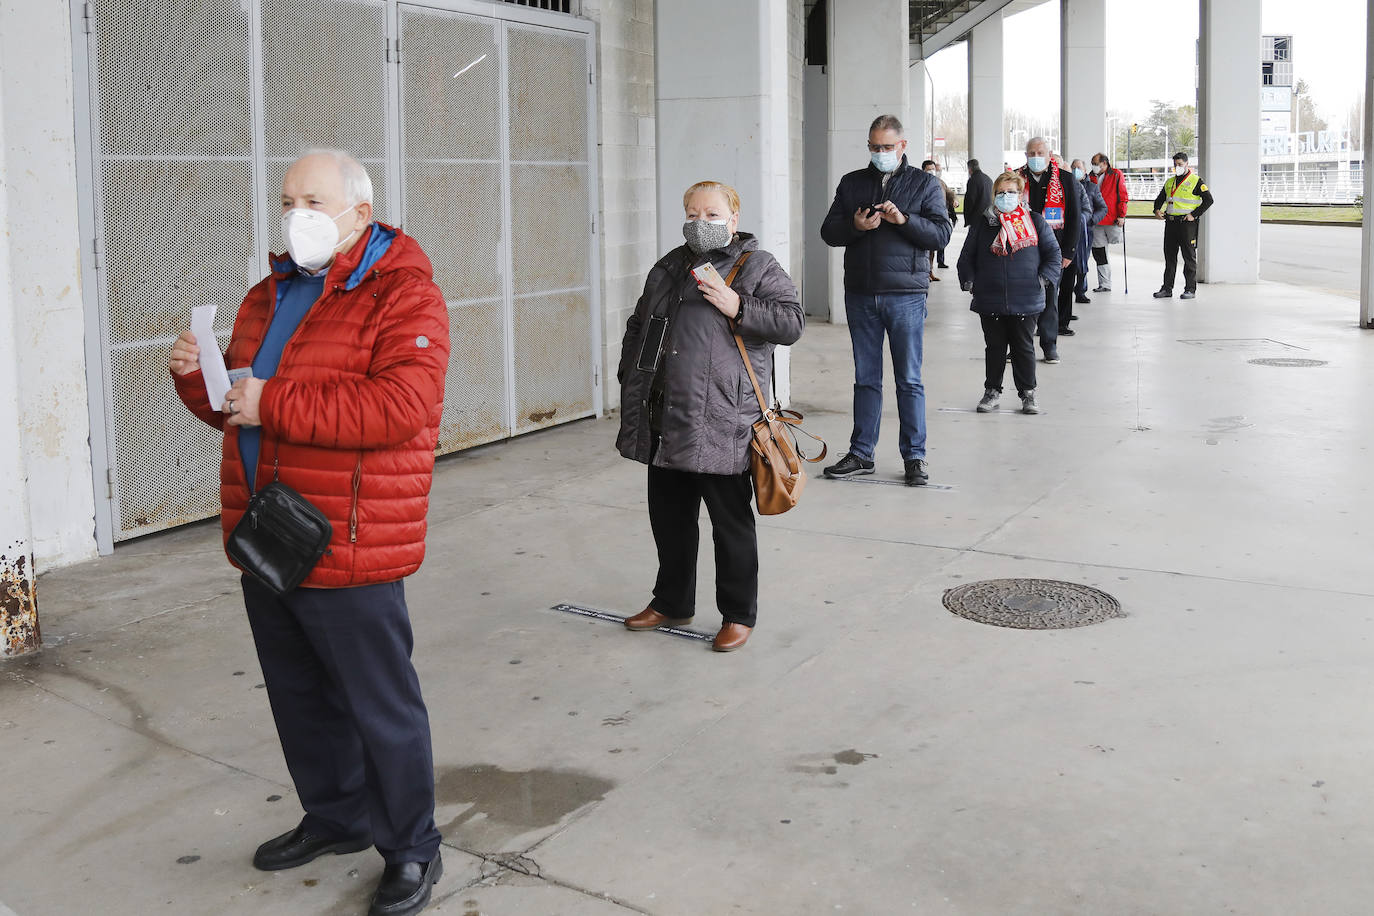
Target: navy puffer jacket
<point x="1008" y="284"/>
<point x="890" y="258"/>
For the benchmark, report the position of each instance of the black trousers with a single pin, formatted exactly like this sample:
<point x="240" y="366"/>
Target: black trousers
<point x="1047" y="324"/>
<point x="1180" y="235"/>
<point x="352" y="724"/>
<point x="1016" y="332"/>
<point x="1067" y="281"/>
<point x="675" y="499"/>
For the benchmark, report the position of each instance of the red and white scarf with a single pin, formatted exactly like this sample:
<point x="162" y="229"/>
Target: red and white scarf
<point x="1016" y="230"/>
<point x="1053" y="211"/>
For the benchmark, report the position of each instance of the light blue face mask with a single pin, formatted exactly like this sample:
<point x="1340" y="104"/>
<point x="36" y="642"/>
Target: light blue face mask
<point x="1037" y="164"/>
<point x="1078" y="173"/>
<point x="1006" y="201"/>
<point x="885" y="160"/>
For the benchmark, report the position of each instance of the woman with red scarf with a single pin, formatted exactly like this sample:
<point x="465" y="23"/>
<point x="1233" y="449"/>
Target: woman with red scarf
<point x="1010" y="258"/>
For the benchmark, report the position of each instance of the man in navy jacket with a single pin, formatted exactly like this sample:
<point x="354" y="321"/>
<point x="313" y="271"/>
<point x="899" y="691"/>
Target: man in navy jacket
<point x="888" y="217"/>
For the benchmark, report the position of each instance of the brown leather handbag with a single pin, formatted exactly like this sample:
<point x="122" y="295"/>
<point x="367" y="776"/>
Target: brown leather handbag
<point x="775" y="461"/>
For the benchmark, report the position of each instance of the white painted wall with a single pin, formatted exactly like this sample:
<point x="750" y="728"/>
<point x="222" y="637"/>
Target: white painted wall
<point x="626" y="222"/>
<point x="1228" y="134"/>
<point x="917" y="120"/>
<point x="42" y="290"/>
<point x="868" y="55"/>
<point x="1083" y="92"/>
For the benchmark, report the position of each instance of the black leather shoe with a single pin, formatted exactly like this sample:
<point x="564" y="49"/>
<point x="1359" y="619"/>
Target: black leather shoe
<point x="299" y="846"/>
<point x="1188" y="294"/>
<point x="1082" y="300"/>
<point x="1164" y="294"/>
<point x="849" y="466"/>
<point x="1067" y="332"/>
<point x="405" y="888"/>
<point x="916" y="474"/>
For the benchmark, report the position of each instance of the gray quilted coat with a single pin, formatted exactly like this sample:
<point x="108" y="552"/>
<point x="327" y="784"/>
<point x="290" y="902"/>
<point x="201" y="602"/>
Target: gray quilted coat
<point x="709" y="404"/>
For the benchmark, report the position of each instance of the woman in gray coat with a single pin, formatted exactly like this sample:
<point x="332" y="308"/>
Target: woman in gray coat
<point x="687" y="405"/>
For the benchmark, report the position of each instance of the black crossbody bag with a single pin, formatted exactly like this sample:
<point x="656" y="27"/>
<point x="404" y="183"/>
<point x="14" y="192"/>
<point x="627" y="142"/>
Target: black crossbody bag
<point x="280" y="538"/>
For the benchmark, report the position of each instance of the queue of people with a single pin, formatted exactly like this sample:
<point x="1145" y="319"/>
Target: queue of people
<point x="339" y="358"/>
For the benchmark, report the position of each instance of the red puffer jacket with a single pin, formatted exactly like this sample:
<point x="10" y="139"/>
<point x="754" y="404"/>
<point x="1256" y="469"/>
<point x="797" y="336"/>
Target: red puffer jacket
<point x="1112" y="184"/>
<point x="351" y="417"/>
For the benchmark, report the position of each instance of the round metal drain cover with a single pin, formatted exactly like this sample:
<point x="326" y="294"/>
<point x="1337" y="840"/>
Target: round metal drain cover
<point x="1287" y="362"/>
<point x="1032" y="604"/>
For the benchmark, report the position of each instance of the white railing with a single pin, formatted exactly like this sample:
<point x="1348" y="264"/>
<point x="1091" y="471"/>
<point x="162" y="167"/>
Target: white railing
<point x="1305" y="186"/>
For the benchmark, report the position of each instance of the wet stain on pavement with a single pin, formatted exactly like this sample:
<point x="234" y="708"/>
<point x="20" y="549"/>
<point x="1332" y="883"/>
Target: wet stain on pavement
<point x="503" y="804"/>
<point x="187" y="860"/>
<point x="852" y="757"/>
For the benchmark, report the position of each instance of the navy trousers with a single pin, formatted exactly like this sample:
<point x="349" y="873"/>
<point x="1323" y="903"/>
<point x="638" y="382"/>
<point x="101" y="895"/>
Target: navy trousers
<point x="352" y="724"/>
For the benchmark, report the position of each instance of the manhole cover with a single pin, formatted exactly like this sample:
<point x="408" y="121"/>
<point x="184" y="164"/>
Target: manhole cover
<point x="1032" y="604"/>
<point x="1289" y="363"/>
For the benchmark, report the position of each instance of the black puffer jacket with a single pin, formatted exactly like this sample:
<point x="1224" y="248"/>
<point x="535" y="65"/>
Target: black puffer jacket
<point x="890" y="258"/>
<point x="1008" y="284"/>
<point x="708" y="401"/>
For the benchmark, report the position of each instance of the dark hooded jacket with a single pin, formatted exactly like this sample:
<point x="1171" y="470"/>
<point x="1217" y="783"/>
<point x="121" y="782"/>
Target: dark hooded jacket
<point x="890" y="258"/>
<point x="708" y="405"/>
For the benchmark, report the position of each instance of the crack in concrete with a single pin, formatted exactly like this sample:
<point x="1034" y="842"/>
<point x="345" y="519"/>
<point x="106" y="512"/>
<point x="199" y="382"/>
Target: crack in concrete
<point x="519" y="863"/>
<point x="71" y="638"/>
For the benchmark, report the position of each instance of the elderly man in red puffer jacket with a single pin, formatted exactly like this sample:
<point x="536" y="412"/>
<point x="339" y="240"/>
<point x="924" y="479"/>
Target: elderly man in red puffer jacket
<point x="348" y="343"/>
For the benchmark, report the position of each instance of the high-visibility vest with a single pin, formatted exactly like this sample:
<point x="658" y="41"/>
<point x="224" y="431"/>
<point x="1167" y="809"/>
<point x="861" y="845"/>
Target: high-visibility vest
<point x="1182" y="197"/>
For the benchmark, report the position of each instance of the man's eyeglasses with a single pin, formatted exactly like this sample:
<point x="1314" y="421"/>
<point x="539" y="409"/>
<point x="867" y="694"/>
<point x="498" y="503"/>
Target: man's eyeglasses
<point x="882" y="147"/>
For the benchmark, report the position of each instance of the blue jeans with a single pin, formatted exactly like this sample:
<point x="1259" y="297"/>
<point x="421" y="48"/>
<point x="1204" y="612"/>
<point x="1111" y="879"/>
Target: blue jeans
<point x="902" y="317"/>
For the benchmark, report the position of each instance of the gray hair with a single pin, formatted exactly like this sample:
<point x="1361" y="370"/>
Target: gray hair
<point x="886" y="122"/>
<point x="357" y="184"/>
<point x="1041" y="141"/>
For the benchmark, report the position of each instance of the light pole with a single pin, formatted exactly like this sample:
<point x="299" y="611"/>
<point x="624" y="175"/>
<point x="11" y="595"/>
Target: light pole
<point x="1297" y="133"/>
<point x="1111" y="135"/>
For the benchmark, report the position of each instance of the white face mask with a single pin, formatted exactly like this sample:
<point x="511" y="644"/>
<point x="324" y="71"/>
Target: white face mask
<point x="1097" y="169"/>
<point x="311" y="236"/>
<point x="1180" y="170"/>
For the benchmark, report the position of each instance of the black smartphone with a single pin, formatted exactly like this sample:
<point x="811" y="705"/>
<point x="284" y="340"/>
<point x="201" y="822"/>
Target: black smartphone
<point x="652" y="349"/>
<point x="873" y="208"/>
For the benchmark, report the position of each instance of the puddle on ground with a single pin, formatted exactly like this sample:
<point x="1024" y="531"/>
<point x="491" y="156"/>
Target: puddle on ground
<point x="503" y="804"/>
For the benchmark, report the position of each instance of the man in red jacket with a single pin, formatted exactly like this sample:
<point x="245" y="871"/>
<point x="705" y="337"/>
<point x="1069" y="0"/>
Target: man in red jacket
<point x="1112" y="183"/>
<point x="348" y="342"/>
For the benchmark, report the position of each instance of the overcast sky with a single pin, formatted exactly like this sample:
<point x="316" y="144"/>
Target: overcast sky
<point x="1150" y="54"/>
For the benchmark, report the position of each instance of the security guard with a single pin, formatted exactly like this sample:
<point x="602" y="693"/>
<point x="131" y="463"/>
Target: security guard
<point x="1181" y="201"/>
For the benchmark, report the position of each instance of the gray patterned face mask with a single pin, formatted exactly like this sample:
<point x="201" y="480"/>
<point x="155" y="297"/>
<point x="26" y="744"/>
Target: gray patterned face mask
<point x="703" y="236"/>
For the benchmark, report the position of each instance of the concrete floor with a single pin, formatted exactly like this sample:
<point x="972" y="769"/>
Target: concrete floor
<point x="868" y="752"/>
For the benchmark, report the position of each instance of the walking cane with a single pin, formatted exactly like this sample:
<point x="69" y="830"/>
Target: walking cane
<point x="1125" y="271"/>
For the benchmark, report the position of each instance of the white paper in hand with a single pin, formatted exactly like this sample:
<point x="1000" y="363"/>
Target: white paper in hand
<point x="211" y="360"/>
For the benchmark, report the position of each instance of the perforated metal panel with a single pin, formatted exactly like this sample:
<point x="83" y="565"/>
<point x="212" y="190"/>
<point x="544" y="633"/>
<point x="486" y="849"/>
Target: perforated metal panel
<point x="198" y="107"/>
<point x="455" y="181"/>
<point x="551" y="252"/>
<point x="174" y="160"/>
<point x="324" y="85"/>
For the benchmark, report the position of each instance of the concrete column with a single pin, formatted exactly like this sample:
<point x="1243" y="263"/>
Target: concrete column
<point x="1367" y="242"/>
<point x="987" y="140"/>
<point x="868" y="54"/>
<point x="46" y="256"/>
<point x="725" y="117"/>
<point x="917" y="122"/>
<point x="1228" y="133"/>
<point x="1082" y="90"/>
<point x="18" y="609"/>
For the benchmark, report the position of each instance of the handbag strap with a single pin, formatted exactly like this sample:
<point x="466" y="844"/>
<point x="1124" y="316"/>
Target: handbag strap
<point x="739" y="342"/>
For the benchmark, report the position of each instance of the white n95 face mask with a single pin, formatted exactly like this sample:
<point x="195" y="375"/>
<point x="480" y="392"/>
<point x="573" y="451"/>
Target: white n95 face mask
<point x="311" y="236"/>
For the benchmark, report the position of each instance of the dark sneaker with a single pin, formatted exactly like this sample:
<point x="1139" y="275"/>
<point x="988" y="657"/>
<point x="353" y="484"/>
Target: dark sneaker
<point x="1028" y="404"/>
<point x="1102" y="289"/>
<point x="1082" y="300"/>
<point x="989" y="402"/>
<point x="1188" y="294"/>
<point x="849" y="466"/>
<point x="916" y="475"/>
<point x="1164" y="294"/>
<point x="1052" y="357"/>
<point x="1067" y="332"/>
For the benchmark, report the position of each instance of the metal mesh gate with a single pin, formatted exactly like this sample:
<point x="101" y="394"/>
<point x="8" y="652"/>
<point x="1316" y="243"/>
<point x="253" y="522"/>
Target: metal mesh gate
<point x="475" y="129"/>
